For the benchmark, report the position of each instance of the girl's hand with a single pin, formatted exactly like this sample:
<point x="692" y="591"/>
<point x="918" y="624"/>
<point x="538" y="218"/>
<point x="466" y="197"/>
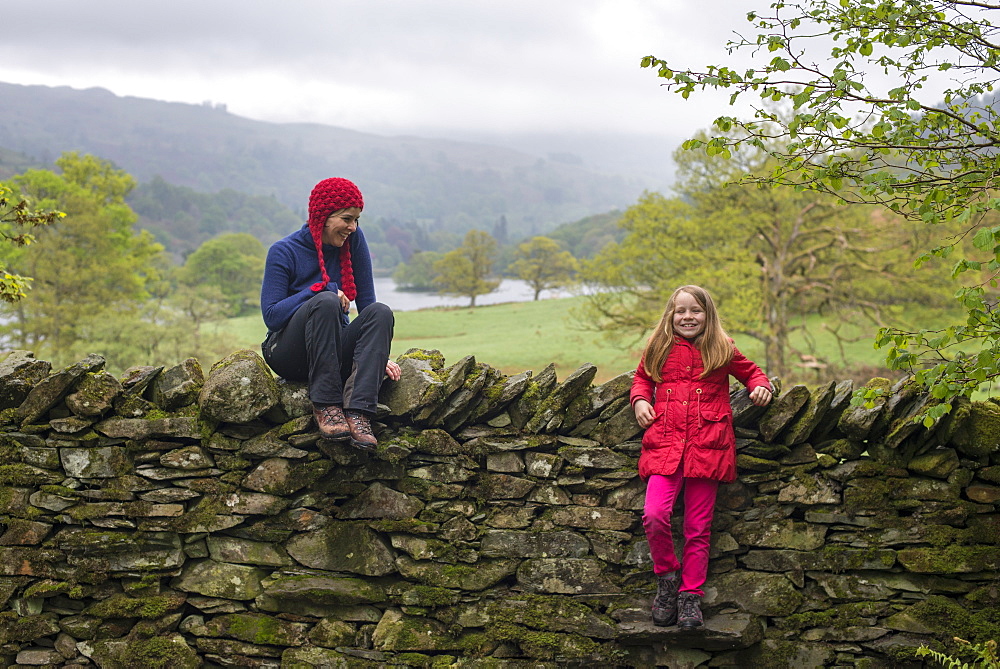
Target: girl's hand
<point x="760" y="396"/>
<point x="644" y="413"/>
<point x="345" y="303"/>
<point x="393" y="371"/>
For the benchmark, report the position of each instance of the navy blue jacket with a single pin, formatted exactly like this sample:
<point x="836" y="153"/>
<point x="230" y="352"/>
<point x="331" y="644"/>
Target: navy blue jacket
<point x="293" y="267"/>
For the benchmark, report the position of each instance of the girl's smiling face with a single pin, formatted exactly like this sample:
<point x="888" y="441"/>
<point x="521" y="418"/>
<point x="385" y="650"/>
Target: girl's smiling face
<point x="340" y="225"/>
<point x="689" y="316"/>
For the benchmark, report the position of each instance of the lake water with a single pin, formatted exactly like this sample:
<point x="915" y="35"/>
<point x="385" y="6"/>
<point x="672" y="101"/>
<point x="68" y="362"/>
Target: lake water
<point x="510" y="290"/>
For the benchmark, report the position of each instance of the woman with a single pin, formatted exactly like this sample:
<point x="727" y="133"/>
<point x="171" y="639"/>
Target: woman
<point x="305" y="305"/>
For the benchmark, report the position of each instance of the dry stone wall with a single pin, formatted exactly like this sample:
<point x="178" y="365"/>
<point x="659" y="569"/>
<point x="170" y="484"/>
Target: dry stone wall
<point x="165" y="519"/>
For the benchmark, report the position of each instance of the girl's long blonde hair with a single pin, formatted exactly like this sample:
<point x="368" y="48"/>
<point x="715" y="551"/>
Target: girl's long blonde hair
<point x="714" y="344"/>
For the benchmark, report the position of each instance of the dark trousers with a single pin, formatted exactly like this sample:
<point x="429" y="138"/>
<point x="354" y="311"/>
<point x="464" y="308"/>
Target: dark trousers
<point x="342" y="364"/>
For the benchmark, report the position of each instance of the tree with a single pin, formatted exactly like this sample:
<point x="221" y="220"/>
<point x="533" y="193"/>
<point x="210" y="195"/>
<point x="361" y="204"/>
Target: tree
<point x="500" y="231"/>
<point x="91" y="263"/>
<point x="584" y="238"/>
<point x="418" y="273"/>
<point x="233" y="265"/>
<point x="664" y="246"/>
<point x="888" y="140"/>
<point x="464" y="271"/>
<point x="770" y="256"/>
<point x="543" y="264"/>
<point x="17" y="218"/>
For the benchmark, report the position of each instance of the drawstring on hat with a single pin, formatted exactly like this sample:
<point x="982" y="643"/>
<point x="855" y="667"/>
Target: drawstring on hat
<point x="328" y="196"/>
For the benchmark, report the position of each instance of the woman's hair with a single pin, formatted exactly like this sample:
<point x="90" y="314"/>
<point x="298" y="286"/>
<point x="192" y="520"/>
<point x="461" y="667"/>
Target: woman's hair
<point x="715" y="345"/>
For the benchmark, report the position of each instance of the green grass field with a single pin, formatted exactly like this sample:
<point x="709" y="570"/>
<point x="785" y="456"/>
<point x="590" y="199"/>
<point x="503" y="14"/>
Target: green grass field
<point x="518" y="336"/>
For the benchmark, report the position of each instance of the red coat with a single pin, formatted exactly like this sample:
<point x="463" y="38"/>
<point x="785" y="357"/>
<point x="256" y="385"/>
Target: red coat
<point x="693" y="421"/>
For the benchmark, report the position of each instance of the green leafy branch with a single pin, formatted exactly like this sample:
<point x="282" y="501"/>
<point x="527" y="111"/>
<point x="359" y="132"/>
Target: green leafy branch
<point x="986" y="656"/>
<point x="17" y="219"/>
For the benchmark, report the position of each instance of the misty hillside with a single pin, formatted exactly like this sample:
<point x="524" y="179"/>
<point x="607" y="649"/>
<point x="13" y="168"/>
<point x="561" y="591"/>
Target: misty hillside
<point x="444" y="185"/>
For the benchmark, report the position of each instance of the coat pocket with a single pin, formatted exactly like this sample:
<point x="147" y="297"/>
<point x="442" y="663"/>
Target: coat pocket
<point x="716" y="430"/>
<point x="653" y="436"/>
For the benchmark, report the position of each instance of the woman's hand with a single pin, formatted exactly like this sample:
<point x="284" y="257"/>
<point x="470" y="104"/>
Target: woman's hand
<point x="644" y="413"/>
<point x="393" y="371"/>
<point x="345" y="303"/>
<point x="760" y="396"/>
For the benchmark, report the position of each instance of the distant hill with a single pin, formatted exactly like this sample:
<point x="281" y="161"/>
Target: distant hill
<point x="14" y="162"/>
<point x="444" y="185"/>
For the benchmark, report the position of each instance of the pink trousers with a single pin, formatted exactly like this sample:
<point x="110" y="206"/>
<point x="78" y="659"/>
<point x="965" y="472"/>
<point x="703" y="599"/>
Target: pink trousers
<point x="699" y="506"/>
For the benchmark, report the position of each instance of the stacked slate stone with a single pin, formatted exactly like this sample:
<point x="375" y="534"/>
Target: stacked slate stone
<point x="165" y="519"/>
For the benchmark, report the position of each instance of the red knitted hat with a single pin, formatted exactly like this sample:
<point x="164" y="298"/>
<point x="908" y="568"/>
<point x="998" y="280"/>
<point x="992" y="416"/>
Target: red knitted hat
<point x="328" y="196"/>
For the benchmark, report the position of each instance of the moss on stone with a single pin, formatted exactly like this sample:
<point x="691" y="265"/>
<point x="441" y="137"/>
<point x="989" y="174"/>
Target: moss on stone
<point x="82" y="512"/>
<point x="494" y="392"/>
<point x="60" y="490"/>
<point x="16" y="628"/>
<point x="94" y="538"/>
<point x="852" y="614"/>
<point x="986" y="531"/>
<point x="47" y="588"/>
<point x="871" y="495"/>
<point x="414" y="660"/>
<point x="474" y="375"/>
<point x="158" y="653"/>
<point x="544" y="645"/>
<point x="229" y="462"/>
<point x="940" y="536"/>
<point x="10" y="451"/>
<point x="433" y="356"/>
<point x="949" y="559"/>
<point x="203" y="514"/>
<point x="145" y="608"/>
<point x="258" y="629"/>
<point x="538" y="611"/>
<point x="980" y="434"/>
<point x="839" y="559"/>
<point x="531" y="393"/>
<point x="232" y="478"/>
<point x="471" y="644"/>
<point x="206" y="427"/>
<point x="458" y="571"/>
<point x="146" y="582"/>
<point x="19" y="474"/>
<point x="951" y="619"/>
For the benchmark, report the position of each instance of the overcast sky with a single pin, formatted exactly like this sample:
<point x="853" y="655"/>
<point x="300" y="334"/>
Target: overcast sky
<point x="430" y="67"/>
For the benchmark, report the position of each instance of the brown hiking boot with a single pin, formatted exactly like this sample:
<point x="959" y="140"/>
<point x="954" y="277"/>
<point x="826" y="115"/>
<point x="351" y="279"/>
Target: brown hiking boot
<point x="665" y="602"/>
<point x="689" y="611"/>
<point x="331" y="422"/>
<point x="361" y="431"/>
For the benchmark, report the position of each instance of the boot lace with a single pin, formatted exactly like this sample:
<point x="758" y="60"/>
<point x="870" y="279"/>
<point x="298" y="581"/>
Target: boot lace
<point x="361" y="424"/>
<point x="689" y="608"/>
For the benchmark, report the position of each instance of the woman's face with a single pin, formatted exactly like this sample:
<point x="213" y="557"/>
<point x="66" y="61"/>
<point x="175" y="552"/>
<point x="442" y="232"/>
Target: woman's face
<point x="689" y="316"/>
<point x="340" y="225"/>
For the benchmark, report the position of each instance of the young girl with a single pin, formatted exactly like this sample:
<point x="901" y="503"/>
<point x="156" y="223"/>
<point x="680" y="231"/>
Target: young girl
<point x="680" y="395"/>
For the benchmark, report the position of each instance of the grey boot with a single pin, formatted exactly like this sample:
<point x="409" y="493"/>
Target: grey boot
<point x="665" y="602"/>
<point x="689" y="613"/>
